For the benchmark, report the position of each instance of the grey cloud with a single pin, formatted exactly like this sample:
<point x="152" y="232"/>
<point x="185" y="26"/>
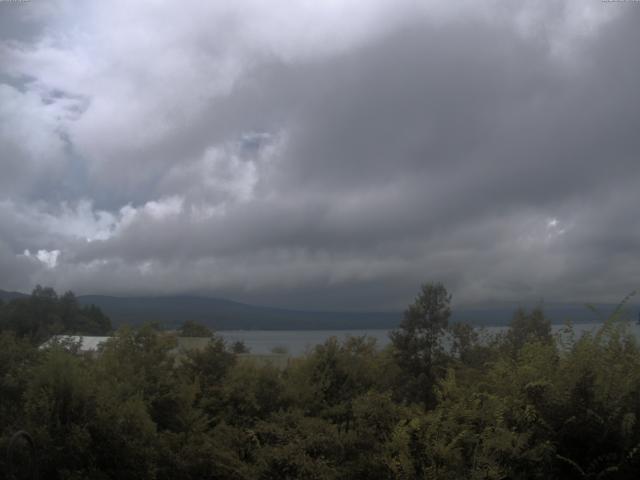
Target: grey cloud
<point x="463" y="151"/>
<point x="16" y="270"/>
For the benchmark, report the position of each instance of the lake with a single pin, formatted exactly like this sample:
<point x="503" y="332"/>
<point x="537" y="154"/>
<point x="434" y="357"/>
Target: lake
<point x="297" y="342"/>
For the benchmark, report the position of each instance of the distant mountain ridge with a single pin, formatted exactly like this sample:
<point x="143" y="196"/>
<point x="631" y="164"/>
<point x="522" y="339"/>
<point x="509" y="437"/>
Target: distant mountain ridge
<point x="222" y="314"/>
<point x="7" y="296"/>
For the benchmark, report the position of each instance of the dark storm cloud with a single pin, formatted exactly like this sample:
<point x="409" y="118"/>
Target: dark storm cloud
<point x="499" y="159"/>
<point x="19" y="21"/>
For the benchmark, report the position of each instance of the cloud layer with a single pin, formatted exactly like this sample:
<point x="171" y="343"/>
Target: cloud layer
<point x="321" y="154"/>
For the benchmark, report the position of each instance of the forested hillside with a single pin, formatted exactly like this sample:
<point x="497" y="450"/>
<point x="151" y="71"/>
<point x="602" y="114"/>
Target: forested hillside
<point x="221" y="314"/>
<point x="43" y="313"/>
<point x="521" y="405"/>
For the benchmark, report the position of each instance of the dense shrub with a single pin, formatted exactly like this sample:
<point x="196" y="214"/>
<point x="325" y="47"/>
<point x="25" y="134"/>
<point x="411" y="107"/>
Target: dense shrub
<point x="522" y="405"/>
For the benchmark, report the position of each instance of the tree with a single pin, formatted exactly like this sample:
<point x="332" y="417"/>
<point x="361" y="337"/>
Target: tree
<point x="239" y="347"/>
<point x="417" y="342"/>
<point x="528" y="327"/>
<point x="44" y="313"/>
<point x="464" y="341"/>
<point x="194" y="329"/>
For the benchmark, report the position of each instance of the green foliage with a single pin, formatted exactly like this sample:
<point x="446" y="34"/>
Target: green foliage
<point x="239" y="347"/>
<point x="528" y="327"/>
<point x="523" y="405"/>
<point x="207" y="369"/>
<point x="417" y="343"/>
<point x="17" y="358"/>
<point x="293" y="446"/>
<point x="251" y="393"/>
<point x="44" y="313"/>
<point x="335" y="373"/>
<point x="194" y="329"/>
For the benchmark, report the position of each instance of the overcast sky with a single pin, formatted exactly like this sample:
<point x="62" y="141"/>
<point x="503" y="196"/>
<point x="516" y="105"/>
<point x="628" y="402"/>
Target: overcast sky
<point x="321" y="154"/>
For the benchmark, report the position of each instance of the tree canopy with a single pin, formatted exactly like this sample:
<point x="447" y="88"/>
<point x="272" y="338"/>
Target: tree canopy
<point x="417" y="342"/>
<point x="521" y="405"/>
<point x="194" y="329"/>
<point x="44" y="313"/>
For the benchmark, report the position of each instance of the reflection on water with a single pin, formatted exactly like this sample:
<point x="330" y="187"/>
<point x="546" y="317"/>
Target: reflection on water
<point x="297" y="342"/>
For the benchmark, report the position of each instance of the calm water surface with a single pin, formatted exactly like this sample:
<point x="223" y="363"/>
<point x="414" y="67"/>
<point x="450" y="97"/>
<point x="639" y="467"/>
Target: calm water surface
<point x="298" y="342"/>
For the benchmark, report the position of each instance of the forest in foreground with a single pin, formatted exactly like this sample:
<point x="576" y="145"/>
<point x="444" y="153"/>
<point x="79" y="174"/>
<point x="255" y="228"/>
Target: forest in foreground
<point x="524" y="404"/>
